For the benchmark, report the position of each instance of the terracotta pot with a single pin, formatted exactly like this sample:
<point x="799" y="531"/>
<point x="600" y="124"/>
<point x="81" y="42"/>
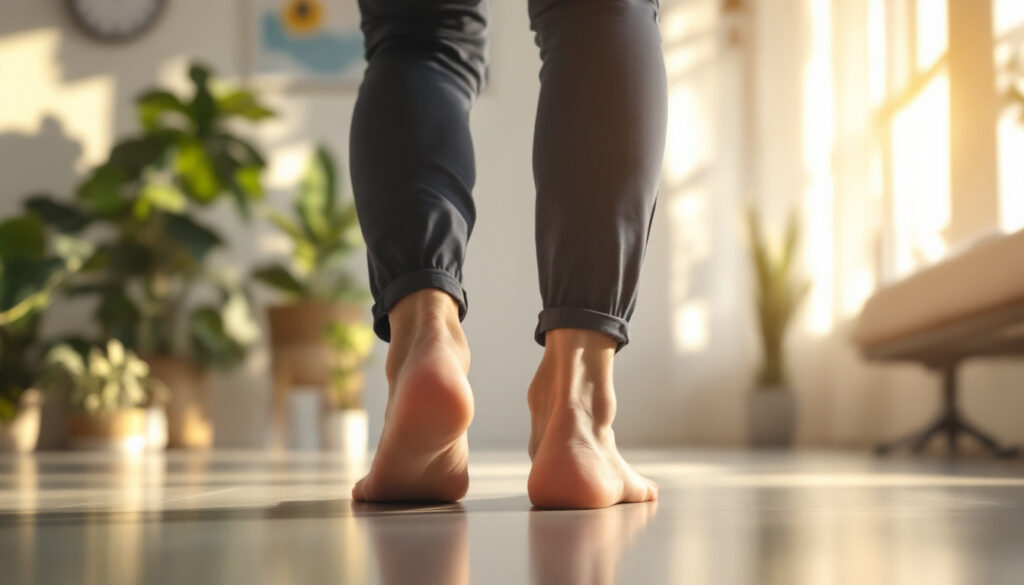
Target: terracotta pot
<point x="188" y="412"/>
<point x="297" y="338"/>
<point x="119" y="431"/>
<point x="21" y="434"/>
<point x="771" y="417"/>
<point x="301" y="355"/>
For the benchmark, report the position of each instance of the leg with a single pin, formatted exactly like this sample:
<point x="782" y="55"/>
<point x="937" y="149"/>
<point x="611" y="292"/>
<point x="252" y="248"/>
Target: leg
<point x="413" y="174"/>
<point x="598" y="149"/>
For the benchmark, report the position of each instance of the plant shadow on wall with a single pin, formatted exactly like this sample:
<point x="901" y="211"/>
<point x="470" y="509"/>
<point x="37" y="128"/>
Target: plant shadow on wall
<point x="157" y="287"/>
<point x="45" y="157"/>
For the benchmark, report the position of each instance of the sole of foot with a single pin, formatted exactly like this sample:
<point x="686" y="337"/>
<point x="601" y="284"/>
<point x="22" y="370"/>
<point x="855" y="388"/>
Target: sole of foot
<point x="574" y="468"/>
<point x="422" y="454"/>
<point x="576" y="463"/>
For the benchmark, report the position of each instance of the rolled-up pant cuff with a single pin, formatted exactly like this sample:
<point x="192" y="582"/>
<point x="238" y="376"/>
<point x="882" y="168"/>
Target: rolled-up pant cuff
<point x="409" y="283"/>
<point x="578" y="318"/>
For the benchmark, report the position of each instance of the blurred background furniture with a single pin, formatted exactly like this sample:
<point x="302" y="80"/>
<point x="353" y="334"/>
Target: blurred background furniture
<point x="970" y="305"/>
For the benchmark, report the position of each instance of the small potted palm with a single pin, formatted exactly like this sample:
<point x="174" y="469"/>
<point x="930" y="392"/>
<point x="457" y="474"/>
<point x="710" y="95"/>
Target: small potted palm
<point x="318" y="336"/>
<point x="30" y="273"/>
<point x="107" y="393"/>
<point x="779" y="290"/>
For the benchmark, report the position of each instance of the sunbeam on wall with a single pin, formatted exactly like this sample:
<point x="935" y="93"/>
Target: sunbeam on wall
<point x="817" y="158"/>
<point x="1008" y="28"/>
<point x="687" y="30"/>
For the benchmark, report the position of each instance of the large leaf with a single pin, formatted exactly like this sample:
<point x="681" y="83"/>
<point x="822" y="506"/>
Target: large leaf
<point x="345" y="231"/>
<point x="196" y="170"/>
<point x="211" y="344"/>
<point x="157" y="195"/>
<point x="228" y="174"/>
<point x="284" y="223"/>
<point x="62" y="216"/>
<point x="248" y="178"/>
<point x="197" y="238"/>
<point x="152" y="106"/>
<point x="22" y="237"/>
<point x="133" y="155"/>
<point x="241" y="151"/>
<point x="127" y="257"/>
<point x="243" y="103"/>
<point x="317" y="195"/>
<point x="102" y="191"/>
<point x="27" y="286"/>
<point x="119" y="316"/>
<point x="280" y="278"/>
<point x="203" y="108"/>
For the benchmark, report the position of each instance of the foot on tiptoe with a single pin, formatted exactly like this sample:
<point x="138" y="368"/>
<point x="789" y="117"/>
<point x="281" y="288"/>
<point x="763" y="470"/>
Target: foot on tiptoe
<point x="422" y="452"/>
<point x="572" y="404"/>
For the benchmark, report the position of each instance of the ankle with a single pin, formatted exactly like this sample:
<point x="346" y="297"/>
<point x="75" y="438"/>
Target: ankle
<point x="575" y="376"/>
<point x="424" y="316"/>
<point x="423" y="310"/>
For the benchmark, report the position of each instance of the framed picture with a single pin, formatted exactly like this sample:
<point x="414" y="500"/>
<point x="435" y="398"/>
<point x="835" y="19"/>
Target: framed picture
<point x="304" y="43"/>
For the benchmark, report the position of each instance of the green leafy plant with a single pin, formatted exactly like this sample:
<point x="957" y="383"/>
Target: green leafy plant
<point x="324" y="234"/>
<point x="779" y="291"/>
<point x="32" y="268"/>
<point x="102" y="381"/>
<point x="158" y="293"/>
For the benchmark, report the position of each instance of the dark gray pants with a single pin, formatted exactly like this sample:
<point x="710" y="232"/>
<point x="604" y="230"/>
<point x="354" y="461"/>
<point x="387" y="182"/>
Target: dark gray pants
<point x="598" y="144"/>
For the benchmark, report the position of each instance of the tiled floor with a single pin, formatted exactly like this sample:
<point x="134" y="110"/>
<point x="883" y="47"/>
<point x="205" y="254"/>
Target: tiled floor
<point x="723" y="518"/>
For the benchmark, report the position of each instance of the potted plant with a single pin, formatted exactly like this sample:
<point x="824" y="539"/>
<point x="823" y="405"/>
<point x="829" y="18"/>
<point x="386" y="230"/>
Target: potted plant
<point x="107" y="393"/>
<point x="158" y="291"/>
<point x="779" y="291"/>
<point x="318" y="336"/>
<point x="29" y="275"/>
<point x="345" y="422"/>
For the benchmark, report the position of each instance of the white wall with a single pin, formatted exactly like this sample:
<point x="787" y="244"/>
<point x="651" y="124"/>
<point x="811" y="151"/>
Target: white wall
<point x="67" y="98"/>
<point x="684" y="377"/>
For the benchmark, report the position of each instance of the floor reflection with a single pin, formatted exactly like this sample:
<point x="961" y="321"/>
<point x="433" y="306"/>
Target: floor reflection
<point x="234" y="518"/>
<point x="577" y="547"/>
<point x="434" y="550"/>
<point x="566" y="547"/>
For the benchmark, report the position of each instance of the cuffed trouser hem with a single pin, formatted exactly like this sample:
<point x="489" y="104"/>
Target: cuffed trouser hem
<point x="577" y="318"/>
<point x="409" y="283"/>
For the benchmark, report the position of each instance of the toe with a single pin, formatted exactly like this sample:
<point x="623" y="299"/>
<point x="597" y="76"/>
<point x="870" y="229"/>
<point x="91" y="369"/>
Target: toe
<point x="358" y="491"/>
<point x="652" y="490"/>
<point x="638" y="489"/>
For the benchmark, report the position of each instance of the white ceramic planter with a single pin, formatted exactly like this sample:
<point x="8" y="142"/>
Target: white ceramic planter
<point x="771" y="417"/>
<point x="347" y="432"/>
<point x="156" y="428"/>
<point x="21" y="433"/>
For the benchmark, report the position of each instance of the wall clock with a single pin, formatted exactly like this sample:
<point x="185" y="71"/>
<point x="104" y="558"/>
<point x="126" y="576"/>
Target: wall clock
<point x="115" y="20"/>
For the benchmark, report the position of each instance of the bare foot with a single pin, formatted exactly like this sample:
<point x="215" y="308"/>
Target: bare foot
<point x="422" y="453"/>
<point x="572" y="404"/>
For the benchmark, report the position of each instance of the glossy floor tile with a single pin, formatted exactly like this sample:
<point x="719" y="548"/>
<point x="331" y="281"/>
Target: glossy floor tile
<point x="723" y="518"/>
